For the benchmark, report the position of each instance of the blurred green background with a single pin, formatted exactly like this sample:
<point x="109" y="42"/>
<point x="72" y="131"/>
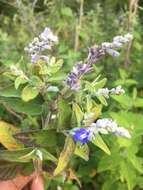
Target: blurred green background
<point x="79" y="25"/>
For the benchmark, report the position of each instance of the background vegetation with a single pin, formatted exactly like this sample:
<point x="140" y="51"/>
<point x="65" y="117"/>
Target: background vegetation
<point x="79" y="25"/>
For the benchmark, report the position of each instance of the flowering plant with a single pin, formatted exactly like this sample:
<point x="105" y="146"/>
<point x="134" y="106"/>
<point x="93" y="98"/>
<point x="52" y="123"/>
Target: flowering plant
<point x="68" y="108"/>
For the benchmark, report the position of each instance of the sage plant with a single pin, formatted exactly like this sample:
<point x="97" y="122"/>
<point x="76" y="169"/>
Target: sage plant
<point x="72" y="105"/>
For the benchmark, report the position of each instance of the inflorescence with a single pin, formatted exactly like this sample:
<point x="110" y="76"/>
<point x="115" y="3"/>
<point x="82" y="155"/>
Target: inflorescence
<point x="102" y="126"/>
<point x="106" y="92"/>
<point x="45" y="41"/>
<point x="94" y="55"/>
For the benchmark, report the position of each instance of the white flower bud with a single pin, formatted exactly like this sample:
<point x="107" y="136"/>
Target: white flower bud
<point x="119" y="39"/>
<point x="122" y="132"/>
<point x="117" y="44"/>
<point x="103" y="92"/>
<point x="106" y="125"/>
<point x="106" y="45"/>
<point x="117" y="91"/>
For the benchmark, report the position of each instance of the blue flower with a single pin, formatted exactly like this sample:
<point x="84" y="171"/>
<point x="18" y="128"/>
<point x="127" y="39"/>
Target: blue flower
<point x="81" y="135"/>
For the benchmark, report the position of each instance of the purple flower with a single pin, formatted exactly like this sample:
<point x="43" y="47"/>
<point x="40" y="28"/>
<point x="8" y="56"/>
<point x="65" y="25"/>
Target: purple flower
<point x="45" y="41"/>
<point x="73" y="79"/>
<point x="113" y="53"/>
<point x="34" y="58"/>
<point x="94" y="55"/>
<point x="83" y="68"/>
<point x="81" y="135"/>
<point x="48" y="35"/>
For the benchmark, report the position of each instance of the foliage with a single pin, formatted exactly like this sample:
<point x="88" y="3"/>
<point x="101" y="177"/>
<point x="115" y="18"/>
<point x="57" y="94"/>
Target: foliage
<point x="43" y="113"/>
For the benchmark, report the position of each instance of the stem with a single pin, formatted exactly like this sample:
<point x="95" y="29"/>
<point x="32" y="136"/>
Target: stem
<point x="133" y="6"/>
<point x="12" y="112"/>
<point x="79" y="25"/>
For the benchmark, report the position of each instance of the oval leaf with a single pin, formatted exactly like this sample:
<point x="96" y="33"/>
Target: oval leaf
<point x="82" y="151"/>
<point x="64" y="113"/>
<point x="98" y="141"/>
<point x="29" y="93"/>
<point x="19" y="80"/>
<point x="65" y="155"/>
<point x="38" y="138"/>
<point x="6" y="136"/>
<point x="78" y="112"/>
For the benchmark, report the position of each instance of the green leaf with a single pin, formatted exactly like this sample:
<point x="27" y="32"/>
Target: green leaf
<point x="9" y="170"/>
<point x="65" y="155"/>
<point x="48" y="156"/>
<point x="43" y="69"/>
<point x="96" y="112"/>
<point x="127" y="172"/>
<point x="138" y="103"/>
<point x="9" y="92"/>
<point x="123" y="74"/>
<point x="89" y="87"/>
<point x="89" y="104"/>
<point x="57" y="77"/>
<point x="78" y="112"/>
<point x="26" y="155"/>
<point x="82" y="151"/>
<point x="54" y="67"/>
<point x="19" y="80"/>
<point x="66" y="11"/>
<point x="102" y="100"/>
<point x="137" y="163"/>
<point x="36" y="81"/>
<point x="139" y="180"/>
<point x="109" y="163"/>
<point x="124" y="100"/>
<point x="15" y="155"/>
<point x="129" y="119"/>
<point x="131" y="82"/>
<point x="40" y="138"/>
<point x="109" y="184"/>
<point x="30" y="108"/>
<point x="29" y="93"/>
<point x="99" y="84"/>
<point x="135" y="93"/>
<point x="98" y="141"/>
<point x="64" y="113"/>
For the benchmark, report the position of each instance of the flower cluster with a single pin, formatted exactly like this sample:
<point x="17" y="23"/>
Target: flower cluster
<point x="102" y="126"/>
<point x="75" y="75"/>
<point x="118" y="42"/>
<point x="45" y="41"/>
<point x="106" y="92"/>
<point x="94" y="55"/>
